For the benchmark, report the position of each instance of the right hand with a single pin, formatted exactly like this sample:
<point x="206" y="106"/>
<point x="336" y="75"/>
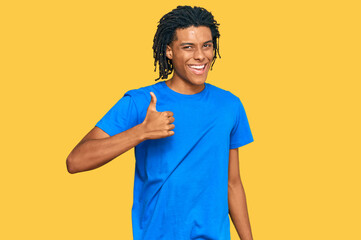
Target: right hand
<point x="157" y="124"/>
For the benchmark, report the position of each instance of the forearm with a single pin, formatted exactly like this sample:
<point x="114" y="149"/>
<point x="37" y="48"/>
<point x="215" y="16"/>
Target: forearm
<point x="94" y="153"/>
<point x="238" y="210"/>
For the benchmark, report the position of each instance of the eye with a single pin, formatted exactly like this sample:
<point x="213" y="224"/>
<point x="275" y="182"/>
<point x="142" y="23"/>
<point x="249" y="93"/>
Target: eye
<point x="209" y="45"/>
<point x="186" y="47"/>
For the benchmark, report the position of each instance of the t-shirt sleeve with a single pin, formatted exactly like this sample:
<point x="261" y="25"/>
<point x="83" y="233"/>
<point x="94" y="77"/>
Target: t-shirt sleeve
<point x="241" y="132"/>
<point x="121" y="117"/>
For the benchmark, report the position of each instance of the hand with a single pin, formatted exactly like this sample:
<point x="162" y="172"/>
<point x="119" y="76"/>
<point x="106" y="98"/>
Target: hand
<point x="157" y="124"/>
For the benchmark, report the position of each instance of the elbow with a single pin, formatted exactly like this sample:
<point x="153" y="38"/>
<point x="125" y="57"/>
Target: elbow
<point x="234" y="183"/>
<point x="70" y="166"/>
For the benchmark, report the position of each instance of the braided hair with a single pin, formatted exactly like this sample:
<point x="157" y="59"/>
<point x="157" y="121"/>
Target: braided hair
<point x="180" y="17"/>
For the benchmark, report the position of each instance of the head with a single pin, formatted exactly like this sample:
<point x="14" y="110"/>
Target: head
<point x="194" y="25"/>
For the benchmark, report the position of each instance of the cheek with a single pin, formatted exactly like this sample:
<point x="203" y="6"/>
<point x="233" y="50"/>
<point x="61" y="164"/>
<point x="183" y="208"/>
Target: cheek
<point x="210" y="54"/>
<point x="180" y="61"/>
<point x="179" y="64"/>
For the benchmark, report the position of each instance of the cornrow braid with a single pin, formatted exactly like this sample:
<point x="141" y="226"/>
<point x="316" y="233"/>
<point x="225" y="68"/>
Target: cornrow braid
<point x="181" y="17"/>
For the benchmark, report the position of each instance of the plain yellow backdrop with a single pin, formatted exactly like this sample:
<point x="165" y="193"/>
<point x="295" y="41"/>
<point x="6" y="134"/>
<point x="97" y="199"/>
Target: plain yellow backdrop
<point x="294" y="64"/>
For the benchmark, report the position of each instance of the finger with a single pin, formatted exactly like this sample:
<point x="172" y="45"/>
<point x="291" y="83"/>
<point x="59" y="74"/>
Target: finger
<point x="153" y="102"/>
<point x="171" y="119"/>
<point x="169" y="113"/>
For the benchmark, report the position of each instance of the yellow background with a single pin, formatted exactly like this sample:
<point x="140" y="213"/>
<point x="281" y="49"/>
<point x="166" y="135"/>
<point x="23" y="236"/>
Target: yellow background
<point x="294" y="64"/>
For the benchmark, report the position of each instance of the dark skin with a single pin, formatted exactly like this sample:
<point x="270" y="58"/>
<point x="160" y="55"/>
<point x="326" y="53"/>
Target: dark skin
<point x="237" y="198"/>
<point x="193" y="46"/>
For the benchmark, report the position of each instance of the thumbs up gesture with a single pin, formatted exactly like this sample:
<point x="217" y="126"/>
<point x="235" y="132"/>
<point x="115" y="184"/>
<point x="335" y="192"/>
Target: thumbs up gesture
<point x="157" y="124"/>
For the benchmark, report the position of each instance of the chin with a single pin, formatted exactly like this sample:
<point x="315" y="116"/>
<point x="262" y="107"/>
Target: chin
<point x="199" y="81"/>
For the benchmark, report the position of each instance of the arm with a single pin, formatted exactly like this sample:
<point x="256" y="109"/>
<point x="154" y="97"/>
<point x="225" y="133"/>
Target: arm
<point x="237" y="198"/>
<point x="98" y="148"/>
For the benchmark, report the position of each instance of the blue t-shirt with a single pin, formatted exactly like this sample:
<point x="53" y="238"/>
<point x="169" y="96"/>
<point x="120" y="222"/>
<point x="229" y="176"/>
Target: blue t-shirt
<point x="181" y="181"/>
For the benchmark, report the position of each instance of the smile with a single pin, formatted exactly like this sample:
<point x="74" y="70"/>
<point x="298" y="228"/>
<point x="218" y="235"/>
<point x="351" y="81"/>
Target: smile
<point x="197" y="69"/>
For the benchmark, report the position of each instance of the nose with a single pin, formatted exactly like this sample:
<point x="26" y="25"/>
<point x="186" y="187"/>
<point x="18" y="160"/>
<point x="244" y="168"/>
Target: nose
<point x="199" y="54"/>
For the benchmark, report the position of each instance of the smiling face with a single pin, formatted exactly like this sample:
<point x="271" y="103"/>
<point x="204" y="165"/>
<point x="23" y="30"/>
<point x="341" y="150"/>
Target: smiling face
<point x="191" y="54"/>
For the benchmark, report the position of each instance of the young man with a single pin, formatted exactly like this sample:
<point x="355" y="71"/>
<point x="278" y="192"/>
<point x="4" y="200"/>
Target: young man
<point x="186" y="135"/>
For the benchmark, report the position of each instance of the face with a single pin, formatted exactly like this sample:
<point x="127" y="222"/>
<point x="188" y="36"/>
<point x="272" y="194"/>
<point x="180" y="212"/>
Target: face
<point x="191" y="54"/>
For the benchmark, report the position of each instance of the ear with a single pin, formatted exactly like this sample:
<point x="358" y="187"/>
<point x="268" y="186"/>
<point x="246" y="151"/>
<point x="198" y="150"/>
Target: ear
<point x="169" y="52"/>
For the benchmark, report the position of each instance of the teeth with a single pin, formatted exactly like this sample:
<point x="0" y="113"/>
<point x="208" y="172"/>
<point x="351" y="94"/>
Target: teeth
<point x="197" y="67"/>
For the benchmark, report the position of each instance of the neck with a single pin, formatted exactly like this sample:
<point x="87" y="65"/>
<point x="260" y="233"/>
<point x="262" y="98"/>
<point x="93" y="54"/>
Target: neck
<point x="184" y="87"/>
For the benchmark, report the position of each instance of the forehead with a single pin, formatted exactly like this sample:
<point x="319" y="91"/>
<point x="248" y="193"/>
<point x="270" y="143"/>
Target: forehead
<point x="193" y="34"/>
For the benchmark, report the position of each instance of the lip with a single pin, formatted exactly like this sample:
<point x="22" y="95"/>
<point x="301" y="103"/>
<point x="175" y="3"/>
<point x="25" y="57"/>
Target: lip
<point x="197" y="64"/>
<point x="198" y="72"/>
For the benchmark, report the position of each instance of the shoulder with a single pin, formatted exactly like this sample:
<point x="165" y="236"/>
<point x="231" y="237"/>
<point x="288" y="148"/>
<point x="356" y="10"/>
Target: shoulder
<point x="142" y="94"/>
<point x="225" y="95"/>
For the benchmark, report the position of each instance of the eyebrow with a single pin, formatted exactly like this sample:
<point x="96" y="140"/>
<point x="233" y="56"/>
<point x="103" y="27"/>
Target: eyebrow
<point x="182" y="44"/>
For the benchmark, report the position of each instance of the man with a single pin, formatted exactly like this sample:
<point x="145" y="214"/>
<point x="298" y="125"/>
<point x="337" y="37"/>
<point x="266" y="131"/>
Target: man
<point x="186" y="135"/>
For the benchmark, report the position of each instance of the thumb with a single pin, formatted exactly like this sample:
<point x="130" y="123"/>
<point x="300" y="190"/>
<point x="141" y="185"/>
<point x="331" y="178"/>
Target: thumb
<point x="153" y="102"/>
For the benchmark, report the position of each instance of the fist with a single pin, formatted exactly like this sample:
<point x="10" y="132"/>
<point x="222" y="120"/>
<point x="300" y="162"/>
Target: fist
<point x="157" y="124"/>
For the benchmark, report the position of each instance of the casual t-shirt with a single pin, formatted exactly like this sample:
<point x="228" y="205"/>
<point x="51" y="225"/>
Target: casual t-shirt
<point x="181" y="181"/>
